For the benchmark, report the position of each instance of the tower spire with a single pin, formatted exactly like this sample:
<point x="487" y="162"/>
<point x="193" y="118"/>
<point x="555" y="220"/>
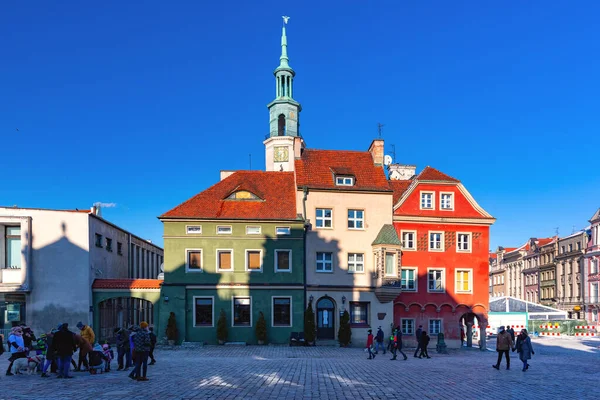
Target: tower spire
<point x="283" y="60"/>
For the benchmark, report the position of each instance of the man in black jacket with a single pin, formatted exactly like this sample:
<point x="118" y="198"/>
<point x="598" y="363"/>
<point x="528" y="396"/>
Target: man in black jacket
<point x="418" y="334"/>
<point x="64" y="346"/>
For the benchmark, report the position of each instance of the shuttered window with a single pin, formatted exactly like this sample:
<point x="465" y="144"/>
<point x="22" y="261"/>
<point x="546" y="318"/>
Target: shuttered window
<point x="253" y="260"/>
<point x="194" y="260"/>
<point x="224" y="259"/>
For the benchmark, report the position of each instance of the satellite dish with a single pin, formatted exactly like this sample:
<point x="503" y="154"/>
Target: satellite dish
<point x="387" y="160"/>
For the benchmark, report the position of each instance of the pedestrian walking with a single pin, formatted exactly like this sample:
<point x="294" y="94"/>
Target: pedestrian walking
<point x="123" y="350"/>
<point x="511" y="332"/>
<point x="424" y="343"/>
<point x="152" y="345"/>
<point x="64" y="346"/>
<point x="379" y="341"/>
<point x="524" y="348"/>
<point x="141" y="347"/>
<point x="370" y="344"/>
<point x="398" y="341"/>
<point x="418" y="335"/>
<point x="503" y="345"/>
<point x="50" y="354"/>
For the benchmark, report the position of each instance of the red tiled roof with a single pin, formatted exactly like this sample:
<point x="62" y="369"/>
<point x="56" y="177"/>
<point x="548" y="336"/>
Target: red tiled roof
<point x="544" y="241"/>
<point x="276" y="192"/>
<point x="432" y="174"/>
<point x="399" y="187"/>
<point x="127" y="284"/>
<point x="316" y="169"/>
<point x="509" y="249"/>
<point x="493" y="255"/>
<point x="79" y="211"/>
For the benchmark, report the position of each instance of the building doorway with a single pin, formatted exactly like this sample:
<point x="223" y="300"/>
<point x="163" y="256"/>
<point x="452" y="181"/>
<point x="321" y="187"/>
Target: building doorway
<point x="121" y="312"/>
<point x="325" y="318"/>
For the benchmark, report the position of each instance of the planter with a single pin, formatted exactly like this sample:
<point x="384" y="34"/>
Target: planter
<point x="261" y="342"/>
<point x="171" y="342"/>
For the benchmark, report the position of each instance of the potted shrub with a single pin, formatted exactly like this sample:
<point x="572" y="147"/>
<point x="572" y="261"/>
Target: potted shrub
<point x="309" y="325"/>
<point x="261" y="329"/>
<point x="222" y="328"/>
<point x="344" y="333"/>
<point x="172" y="332"/>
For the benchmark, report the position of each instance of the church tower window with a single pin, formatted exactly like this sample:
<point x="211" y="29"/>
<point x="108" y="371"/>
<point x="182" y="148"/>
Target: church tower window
<point x="281" y="125"/>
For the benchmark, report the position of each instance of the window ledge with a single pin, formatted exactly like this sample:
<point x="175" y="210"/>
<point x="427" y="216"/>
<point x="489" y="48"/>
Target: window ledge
<point x="360" y="325"/>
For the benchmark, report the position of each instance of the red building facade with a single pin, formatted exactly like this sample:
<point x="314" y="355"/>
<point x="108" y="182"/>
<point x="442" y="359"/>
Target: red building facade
<point x="445" y="250"/>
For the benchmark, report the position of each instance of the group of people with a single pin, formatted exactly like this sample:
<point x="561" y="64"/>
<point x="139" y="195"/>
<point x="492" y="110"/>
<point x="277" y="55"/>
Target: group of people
<point x="395" y="343"/>
<point x="506" y="342"/>
<point x="54" y="350"/>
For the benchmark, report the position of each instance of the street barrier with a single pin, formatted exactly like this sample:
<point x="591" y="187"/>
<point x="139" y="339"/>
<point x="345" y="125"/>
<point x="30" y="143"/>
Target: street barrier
<point x="550" y="333"/>
<point x="585" y="334"/>
<point x="591" y="327"/>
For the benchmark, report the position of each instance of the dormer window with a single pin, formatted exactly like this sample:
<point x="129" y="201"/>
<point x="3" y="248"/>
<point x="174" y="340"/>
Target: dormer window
<point x="344" y="181"/>
<point x="242" y="195"/>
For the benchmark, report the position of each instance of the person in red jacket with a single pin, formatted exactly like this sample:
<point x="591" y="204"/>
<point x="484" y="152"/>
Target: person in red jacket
<point x="370" y="344"/>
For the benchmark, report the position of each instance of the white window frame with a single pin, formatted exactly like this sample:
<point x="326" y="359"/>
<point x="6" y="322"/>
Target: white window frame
<point x="289" y="262"/>
<point x="412" y="332"/>
<point x="187" y="229"/>
<point x="344" y="180"/>
<point x="273" y="312"/>
<point x="233" y="311"/>
<point x="324" y="218"/>
<point x="470" y="271"/>
<point x="443" y="290"/>
<point x="323" y="262"/>
<point x="395" y="255"/>
<point x="356" y="219"/>
<point x="469" y="242"/>
<point x="441" y="328"/>
<point x="212" y="298"/>
<point x="287" y="232"/>
<point x="187" y="260"/>
<point x="224" y="226"/>
<point x="423" y="192"/>
<point x="253" y="226"/>
<point x="416" y="279"/>
<point x="451" y="208"/>
<point x="354" y="271"/>
<point x="414" y="232"/>
<point x="217" y="260"/>
<point x="442" y="240"/>
<point x="262" y="261"/>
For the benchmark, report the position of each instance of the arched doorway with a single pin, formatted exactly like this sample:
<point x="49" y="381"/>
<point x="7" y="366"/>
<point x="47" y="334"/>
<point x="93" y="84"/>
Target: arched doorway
<point x="121" y="312"/>
<point x="325" y="318"/>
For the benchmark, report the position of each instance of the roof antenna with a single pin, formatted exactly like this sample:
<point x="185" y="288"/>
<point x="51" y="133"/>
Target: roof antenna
<point x="393" y="146"/>
<point x="573" y="229"/>
<point x="556" y="230"/>
<point x="379" y="129"/>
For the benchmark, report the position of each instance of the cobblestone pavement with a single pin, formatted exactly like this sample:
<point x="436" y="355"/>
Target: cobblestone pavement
<point x="561" y="368"/>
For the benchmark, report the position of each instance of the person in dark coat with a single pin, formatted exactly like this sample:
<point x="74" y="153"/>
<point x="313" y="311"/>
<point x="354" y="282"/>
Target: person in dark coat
<point x="418" y="335"/>
<point x="524" y="348"/>
<point x="424" y="343"/>
<point x="398" y="342"/>
<point x="511" y="332"/>
<point x="379" y="341"/>
<point x="123" y="350"/>
<point x="63" y="344"/>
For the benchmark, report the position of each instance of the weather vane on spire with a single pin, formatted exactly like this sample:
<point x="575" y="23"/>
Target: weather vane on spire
<point x="285" y="19"/>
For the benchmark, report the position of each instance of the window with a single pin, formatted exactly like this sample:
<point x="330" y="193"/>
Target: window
<point x="463" y="280"/>
<point x="203" y="311"/>
<point x="593" y="266"/>
<point x="408" y="326"/>
<point x="562" y="249"/>
<point x="578" y="245"/>
<point x="324" y="262"/>
<point x="390" y="264"/>
<point x="120" y="248"/>
<point x="344" y="180"/>
<point x="446" y="201"/>
<point x="356" y="219"/>
<point x="223" y="230"/>
<point x="98" y="240"/>
<point x="408" y="240"/>
<point x="463" y="242"/>
<point x="356" y="262"/>
<point x="594" y="292"/>
<point x="427" y="201"/>
<point x="242" y="311"/>
<point x="194" y="260"/>
<point x="283" y="230"/>
<point x="435" y="326"/>
<point x="193" y="229"/>
<point x="225" y="260"/>
<point x="253" y="230"/>
<point x="435" y="280"/>
<point x="570" y="247"/>
<point x="254" y="260"/>
<point x="283" y="261"/>
<point x="282" y="311"/>
<point x="435" y="241"/>
<point x="13" y="247"/>
<point x="359" y="313"/>
<point x="324" y="218"/>
<point x="408" y="281"/>
<point x="108" y="244"/>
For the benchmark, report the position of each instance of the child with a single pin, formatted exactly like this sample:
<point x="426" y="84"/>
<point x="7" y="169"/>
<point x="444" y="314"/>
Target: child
<point x="41" y="349"/>
<point x="370" y="344"/>
<point x="109" y="354"/>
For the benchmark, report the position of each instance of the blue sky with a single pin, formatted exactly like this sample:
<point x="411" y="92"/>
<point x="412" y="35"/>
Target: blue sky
<point x="142" y="103"/>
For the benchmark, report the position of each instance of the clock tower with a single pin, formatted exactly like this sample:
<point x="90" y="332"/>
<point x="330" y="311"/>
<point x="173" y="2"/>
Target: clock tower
<point x="283" y="115"/>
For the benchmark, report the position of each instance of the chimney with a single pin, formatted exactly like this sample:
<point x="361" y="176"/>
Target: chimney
<point x="376" y="150"/>
<point x="226" y="174"/>
<point x="298" y="147"/>
<point x="93" y="210"/>
<point x="399" y="172"/>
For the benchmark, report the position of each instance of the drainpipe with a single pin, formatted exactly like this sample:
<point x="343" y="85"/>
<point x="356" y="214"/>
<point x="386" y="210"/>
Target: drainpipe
<point x="129" y="257"/>
<point x="305" y="191"/>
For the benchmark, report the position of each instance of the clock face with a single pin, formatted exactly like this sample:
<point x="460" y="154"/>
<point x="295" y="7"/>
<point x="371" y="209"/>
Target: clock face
<point x="281" y="154"/>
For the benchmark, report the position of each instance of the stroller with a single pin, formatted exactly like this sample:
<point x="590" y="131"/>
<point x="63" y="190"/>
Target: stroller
<point x="97" y="360"/>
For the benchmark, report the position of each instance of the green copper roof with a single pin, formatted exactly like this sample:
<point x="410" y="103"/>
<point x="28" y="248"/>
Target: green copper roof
<point x="283" y="60"/>
<point x="387" y="235"/>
